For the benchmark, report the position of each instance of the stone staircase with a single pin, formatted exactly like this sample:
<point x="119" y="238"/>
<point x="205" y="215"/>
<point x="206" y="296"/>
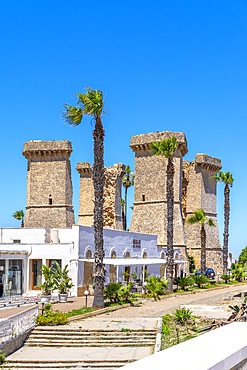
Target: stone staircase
<point x="62" y="337"/>
<point x="106" y="344"/>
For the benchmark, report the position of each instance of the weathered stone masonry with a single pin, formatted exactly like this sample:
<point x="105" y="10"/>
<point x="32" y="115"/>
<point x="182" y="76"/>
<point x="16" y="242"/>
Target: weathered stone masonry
<point x="193" y="189"/>
<point x="49" y="185"/>
<point x="112" y="211"/>
<point x="199" y="191"/>
<point x="150" y="207"/>
<point x="49" y="193"/>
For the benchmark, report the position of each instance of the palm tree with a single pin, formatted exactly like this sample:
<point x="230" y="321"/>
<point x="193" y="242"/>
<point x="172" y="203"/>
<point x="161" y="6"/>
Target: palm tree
<point x="19" y="215"/>
<point x="127" y="181"/>
<point x="91" y="103"/>
<point x="200" y="217"/>
<point x="227" y="179"/>
<point x="167" y="148"/>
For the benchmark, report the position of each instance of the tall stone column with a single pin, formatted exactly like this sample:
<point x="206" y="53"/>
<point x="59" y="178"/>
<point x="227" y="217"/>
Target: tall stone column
<point x="112" y="211"/>
<point x="49" y="184"/>
<point x="199" y="191"/>
<point x="150" y="205"/>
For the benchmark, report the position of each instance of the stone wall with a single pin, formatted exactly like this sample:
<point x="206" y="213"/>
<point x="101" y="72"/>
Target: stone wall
<point x="49" y="184"/>
<point x="112" y="211"/>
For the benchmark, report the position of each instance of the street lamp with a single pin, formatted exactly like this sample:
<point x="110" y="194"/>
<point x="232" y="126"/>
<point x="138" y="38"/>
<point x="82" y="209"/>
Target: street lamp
<point x="86" y="293"/>
<point x="43" y="301"/>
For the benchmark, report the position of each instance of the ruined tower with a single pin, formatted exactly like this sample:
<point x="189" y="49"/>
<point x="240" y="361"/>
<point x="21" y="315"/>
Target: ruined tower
<point x="112" y="210"/>
<point x="49" y="185"/>
<point x="150" y="206"/>
<point x="199" y="191"/>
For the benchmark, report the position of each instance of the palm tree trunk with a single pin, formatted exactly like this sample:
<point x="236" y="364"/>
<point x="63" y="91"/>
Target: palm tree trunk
<point x="98" y="182"/>
<point x="170" y="214"/>
<point x="226" y="228"/>
<point x="125" y="209"/>
<point x="203" y="250"/>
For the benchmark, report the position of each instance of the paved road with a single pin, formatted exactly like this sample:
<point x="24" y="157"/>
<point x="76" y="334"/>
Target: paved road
<point x="152" y="309"/>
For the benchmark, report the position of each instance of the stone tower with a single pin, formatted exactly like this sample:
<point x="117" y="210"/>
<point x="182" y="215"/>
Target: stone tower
<point x="112" y="210"/>
<point x="150" y="207"/>
<point x="199" y="191"/>
<point x="49" y="185"/>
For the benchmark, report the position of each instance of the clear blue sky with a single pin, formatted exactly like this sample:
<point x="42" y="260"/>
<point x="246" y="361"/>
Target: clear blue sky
<point x="177" y="65"/>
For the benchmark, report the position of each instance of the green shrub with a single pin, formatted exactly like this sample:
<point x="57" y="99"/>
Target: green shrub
<point x="155" y="286"/>
<point x="183" y="315"/>
<point x="185" y="282"/>
<point x="238" y="271"/>
<point x="2" y="357"/>
<point x="226" y="278"/>
<point x="200" y="280"/>
<point x="50" y="317"/>
<point x="116" y="292"/>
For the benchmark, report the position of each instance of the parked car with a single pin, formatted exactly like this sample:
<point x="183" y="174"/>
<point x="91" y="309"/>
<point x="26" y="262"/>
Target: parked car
<point x="209" y="273"/>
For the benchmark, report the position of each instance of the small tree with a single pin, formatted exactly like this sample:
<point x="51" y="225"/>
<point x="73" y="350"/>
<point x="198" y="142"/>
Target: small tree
<point x="48" y="284"/>
<point x="91" y="104"/>
<point x="243" y="256"/>
<point x="238" y="271"/>
<point x="167" y="148"/>
<point x="200" y="217"/>
<point x="127" y="181"/>
<point x="19" y="215"/>
<point x="192" y="265"/>
<point x="62" y="280"/>
<point x="227" y="179"/>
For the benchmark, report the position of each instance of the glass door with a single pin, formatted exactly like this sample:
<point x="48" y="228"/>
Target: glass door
<point x="36" y="275"/>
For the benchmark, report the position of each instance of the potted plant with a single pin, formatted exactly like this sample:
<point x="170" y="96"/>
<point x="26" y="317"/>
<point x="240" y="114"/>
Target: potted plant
<point x="62" y="282"/>
<point x="47" y="286"/>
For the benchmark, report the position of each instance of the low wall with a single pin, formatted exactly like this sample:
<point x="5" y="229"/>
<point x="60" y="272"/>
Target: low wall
<point x="224" y="348"/>
<point x="15" y="329"/>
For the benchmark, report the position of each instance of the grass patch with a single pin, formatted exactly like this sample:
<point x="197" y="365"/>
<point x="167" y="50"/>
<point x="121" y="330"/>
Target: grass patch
<point x="79" y="311"/>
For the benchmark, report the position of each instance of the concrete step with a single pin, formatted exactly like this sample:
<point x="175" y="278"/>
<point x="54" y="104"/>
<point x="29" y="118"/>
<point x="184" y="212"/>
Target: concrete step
<point x="67" y="364"/>
<point x="67" y="331"/>
<point x="52" y="337"/>
<point x="79" y="344"/>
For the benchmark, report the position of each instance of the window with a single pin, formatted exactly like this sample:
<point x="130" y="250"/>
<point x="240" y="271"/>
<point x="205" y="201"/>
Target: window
<point x="52" y="263"/>
<point x="50" y="200"/>
<point x="143" y="197"/>
<point x="136" y="243"/>
<point x="16" y="241"/>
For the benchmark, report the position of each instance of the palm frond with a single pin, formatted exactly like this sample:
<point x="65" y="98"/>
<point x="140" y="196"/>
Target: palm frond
<point x="166" y="148"/>
<point x="225" y="177"/>
<point x="92" y="101"/>
<point x="91" y="104"/>
<point x="73" y="115"/>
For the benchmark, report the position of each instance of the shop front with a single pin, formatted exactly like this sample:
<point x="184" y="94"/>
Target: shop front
<point x="11" y="273"/>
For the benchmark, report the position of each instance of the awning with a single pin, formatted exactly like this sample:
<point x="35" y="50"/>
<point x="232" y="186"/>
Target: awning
<point x="132" y="261"/>
<point x="128" y="261"/>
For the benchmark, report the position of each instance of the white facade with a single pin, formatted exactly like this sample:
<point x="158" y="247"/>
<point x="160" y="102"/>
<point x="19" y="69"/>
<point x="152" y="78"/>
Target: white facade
<point x="23" y="251"/>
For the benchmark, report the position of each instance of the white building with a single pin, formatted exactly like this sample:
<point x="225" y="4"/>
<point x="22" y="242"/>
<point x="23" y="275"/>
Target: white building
<point x="23" y="251"/>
